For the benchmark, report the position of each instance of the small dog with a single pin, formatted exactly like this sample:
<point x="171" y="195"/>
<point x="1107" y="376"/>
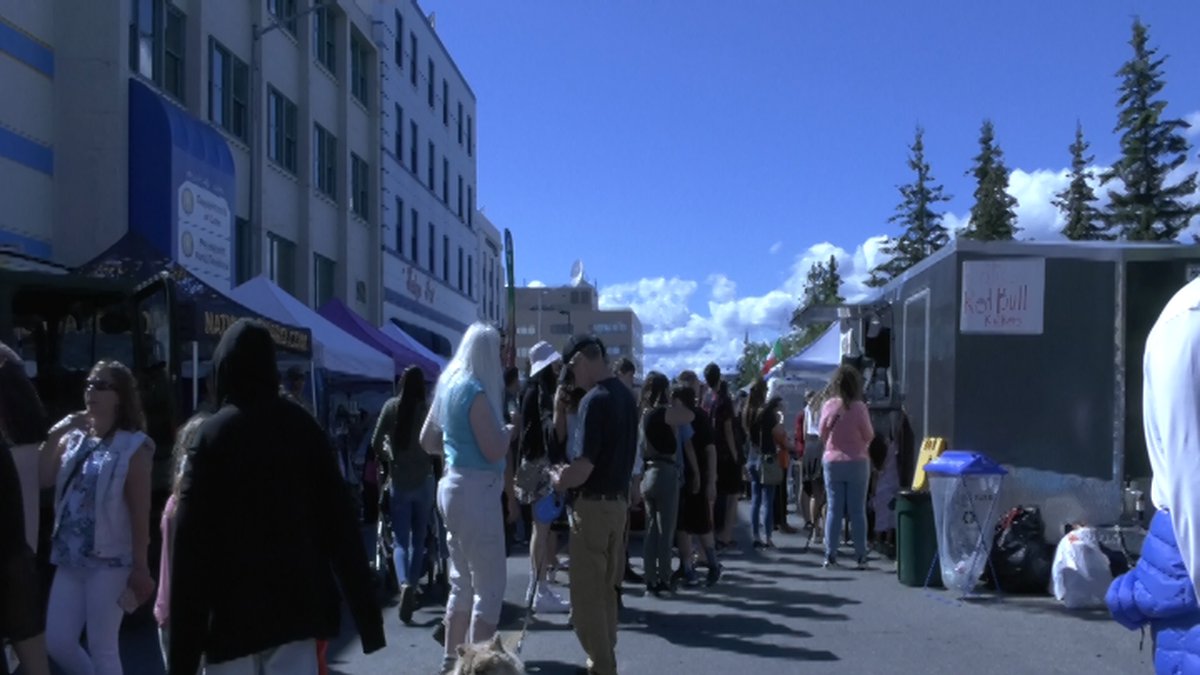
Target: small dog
<point x="488" y="658"/>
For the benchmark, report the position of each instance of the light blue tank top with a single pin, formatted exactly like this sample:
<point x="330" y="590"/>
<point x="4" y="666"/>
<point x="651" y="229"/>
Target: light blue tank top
<point x="458" y="438"/>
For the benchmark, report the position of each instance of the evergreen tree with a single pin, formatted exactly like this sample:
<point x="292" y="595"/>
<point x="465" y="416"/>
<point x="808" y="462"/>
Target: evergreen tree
<point x="823" y="285"/>
<point x="754" y="355"/>
<point x="1146" y="208"/>
<point x="993" y="217"/>
<point x="923" y="230"/>
<point x="1076" y="203"/>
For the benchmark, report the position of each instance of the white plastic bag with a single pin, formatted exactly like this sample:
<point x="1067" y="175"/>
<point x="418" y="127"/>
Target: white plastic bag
<point x="1081" y="571"/>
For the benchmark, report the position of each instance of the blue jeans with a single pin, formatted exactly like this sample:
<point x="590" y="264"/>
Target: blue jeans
<point x="846" y="491"/>
<point x="410" y="511"/>
<point x="762" y="502"/>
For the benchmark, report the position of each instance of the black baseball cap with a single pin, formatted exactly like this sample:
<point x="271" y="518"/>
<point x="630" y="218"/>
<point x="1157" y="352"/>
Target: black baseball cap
<point x="580" y="342"/>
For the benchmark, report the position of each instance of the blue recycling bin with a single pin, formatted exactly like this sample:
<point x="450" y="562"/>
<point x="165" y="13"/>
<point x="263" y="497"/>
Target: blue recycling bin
<point x="965" y="487"/>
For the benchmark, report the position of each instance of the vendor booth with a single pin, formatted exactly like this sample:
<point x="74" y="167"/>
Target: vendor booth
<point x="1031" y="353"/>
<point x="348" y="320"/>
<point x="395" y="332"/>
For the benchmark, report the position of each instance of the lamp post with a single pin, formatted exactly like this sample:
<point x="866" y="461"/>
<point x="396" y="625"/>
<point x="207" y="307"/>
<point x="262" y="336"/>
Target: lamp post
<point x="256" y="35"/>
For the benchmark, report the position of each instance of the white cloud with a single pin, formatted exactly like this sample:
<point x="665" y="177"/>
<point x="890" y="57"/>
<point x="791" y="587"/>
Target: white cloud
<point x="536" y="284"/>
<point x="776" y="247"/>
<point x="1194" y="120"/>
<point x="678" y="337"/>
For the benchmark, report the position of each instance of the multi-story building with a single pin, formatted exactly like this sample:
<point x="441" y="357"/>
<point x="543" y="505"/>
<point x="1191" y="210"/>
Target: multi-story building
<point x="554" y="314"/>
<point x="235" y="137"/>
<point x="434" y="269"/>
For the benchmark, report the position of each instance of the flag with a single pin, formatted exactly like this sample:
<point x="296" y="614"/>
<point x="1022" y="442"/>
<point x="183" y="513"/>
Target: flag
<point x="774" y="357"/>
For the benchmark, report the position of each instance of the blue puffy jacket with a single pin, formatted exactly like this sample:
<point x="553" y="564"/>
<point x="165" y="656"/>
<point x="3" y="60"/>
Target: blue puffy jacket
<point x="1158" y="592"/>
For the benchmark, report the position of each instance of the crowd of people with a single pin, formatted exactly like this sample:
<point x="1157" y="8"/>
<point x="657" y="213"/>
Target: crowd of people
<point x="262" y="531"/>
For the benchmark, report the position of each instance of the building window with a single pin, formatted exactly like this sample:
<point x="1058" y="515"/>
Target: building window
<point x="243" y="251"/>
<point x="560" y="329"/>
<point x="399" y="150"/>
<point x="400" y="227"/>
<point x="158" y="45"/>
<point x="398" y="45"/>
<point x="429" y="84"/>
<point x="522" y="352"/>
<point x="460" y="269"/>
<point x="526" y="330"/>
<point x="325" y="39"/>
<point x="281" y="130"/>
<point x="459" y="121"/>
<point x="445" y="181"/>
<point x="325" y="161"/>
<point x="360" y="187"/>
<point x="460" y="196"/>
<point x="445" y="103"/>
<point x="284" y="12"/>
<point x="470" y="137"/>
<point x="414" y="250"/>
<point x="281" y="258"/>
<point x="412" y="147"/>
<point x="228" y="90"/>
<point x="323" y="274"/>
<point x="432" y="248"/>
<point x="412" y="59"/>
<point x="432" y="168"/>
<point x="360" y="59"/>
<point x="470" y="206"/>
<point x="470" y="276"/>
<point x="446" y="258"/>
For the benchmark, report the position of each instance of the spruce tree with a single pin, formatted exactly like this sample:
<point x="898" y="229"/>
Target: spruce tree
<point x="1145" y="207"/>
<point x="923" y="230"/>
<point x="1083" y="221"/>
<point x="993" y="217"/>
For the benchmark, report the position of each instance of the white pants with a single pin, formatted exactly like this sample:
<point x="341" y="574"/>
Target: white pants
<point x="86" y="597"/>
<point x="470" y="503"/>
<point x="294" y="658"/>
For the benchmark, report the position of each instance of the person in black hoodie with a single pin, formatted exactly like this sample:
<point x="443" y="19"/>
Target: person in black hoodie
<point x="265" y="529"/>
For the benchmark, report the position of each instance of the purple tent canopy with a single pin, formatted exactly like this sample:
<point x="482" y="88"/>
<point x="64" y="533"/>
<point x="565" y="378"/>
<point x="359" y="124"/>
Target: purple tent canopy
<point x="348" y="320"/>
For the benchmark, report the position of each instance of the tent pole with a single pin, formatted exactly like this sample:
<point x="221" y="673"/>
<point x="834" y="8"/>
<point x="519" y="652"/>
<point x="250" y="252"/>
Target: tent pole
<point x="195" y="375"/>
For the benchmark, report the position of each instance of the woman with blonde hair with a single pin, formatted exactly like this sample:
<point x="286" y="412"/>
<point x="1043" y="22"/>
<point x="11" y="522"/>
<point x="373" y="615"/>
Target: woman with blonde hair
<point x="466" y="425"/>
<point x="100" y="472"/>
<point x="847" y="433"/>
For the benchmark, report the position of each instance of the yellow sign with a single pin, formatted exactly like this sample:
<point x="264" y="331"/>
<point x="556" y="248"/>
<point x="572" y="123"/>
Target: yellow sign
<point x="931" y="449"/>
<point x="216" y="323"/>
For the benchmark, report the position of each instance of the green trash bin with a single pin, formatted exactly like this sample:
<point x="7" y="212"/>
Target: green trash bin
<point x="916" y="539"/>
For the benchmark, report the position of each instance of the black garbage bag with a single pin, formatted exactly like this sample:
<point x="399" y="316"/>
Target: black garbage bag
<point x="1021" y="560"/>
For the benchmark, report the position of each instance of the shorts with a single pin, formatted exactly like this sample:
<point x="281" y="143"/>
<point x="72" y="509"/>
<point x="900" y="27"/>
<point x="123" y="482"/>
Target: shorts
<point x="695" y="516"/>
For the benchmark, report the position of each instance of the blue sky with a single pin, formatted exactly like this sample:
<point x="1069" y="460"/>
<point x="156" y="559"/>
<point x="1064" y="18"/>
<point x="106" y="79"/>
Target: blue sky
<point x="698" y="156"/>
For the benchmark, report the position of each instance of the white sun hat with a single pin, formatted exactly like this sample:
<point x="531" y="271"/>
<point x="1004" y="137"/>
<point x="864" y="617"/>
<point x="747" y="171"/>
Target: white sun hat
<point x="541" y="355"/>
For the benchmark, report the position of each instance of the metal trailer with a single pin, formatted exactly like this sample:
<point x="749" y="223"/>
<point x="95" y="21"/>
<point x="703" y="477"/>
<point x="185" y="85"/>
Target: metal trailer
<point x="1054" y="395"/>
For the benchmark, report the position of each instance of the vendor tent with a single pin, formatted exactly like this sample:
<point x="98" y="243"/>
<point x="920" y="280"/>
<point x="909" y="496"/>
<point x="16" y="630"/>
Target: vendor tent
<point x="334" y="349"/>
<point x="819" y="359"/>
<point x="348" y="320"/>
<point x="398" y="334"/>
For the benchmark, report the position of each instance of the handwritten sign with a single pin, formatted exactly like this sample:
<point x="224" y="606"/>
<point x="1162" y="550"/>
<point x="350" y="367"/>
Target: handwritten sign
<point x="1005" y="296"/>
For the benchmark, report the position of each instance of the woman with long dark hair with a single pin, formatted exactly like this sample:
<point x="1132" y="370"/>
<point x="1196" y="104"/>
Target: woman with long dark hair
<point x="846" y="432"/>
<point x="23" y="426"/>
<point x="410" y="481"/>
<point x="764" y="425"/>
<point x="101" y="540"/>
<point x="662" y="419"/>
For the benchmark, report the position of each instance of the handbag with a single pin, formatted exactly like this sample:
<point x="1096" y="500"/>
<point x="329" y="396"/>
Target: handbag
<point x="532" y="480"/>
<point x="769" y="471"/>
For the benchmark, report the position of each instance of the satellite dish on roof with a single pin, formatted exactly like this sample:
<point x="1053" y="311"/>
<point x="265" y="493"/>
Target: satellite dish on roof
<point x="577" y="273"/>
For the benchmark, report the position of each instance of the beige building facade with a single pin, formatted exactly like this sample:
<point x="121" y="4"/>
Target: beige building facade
<point x="554" y="314"/>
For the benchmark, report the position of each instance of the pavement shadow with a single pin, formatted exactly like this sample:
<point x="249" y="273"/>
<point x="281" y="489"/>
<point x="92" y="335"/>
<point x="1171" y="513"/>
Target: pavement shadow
<point x="731" y="632"/>
<point x="774" y="601"/>
<point x="551" y="667"/>
<point x="1044" y="606"/>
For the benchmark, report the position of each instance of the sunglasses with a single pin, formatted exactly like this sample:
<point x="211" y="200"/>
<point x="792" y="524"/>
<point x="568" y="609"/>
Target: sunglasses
<point x="100" y="385"/>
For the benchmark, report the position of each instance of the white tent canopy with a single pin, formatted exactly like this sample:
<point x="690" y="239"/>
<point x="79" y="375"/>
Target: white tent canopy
<point x="333" y="348"/>
<point x="820" y="358"/>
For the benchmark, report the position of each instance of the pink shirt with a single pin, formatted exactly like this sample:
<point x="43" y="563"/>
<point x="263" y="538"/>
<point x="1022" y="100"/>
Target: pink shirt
<point x="162" y="603"/>
<point x="847" y="433"/>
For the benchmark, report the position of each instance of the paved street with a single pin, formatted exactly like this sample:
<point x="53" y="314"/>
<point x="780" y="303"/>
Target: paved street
<point x="779" y="612"/>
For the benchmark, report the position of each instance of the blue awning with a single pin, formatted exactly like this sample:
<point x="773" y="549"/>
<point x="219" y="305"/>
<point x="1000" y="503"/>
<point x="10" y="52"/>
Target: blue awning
<point x="182" y="183"/>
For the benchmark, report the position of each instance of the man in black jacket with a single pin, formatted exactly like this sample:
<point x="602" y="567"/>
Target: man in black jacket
<point x="265" y="530"/>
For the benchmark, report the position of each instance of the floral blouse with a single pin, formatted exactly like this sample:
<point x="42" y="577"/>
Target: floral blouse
<point x="75" y="534"/>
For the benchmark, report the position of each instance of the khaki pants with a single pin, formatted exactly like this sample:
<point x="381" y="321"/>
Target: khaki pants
<point x="597" y="568"/>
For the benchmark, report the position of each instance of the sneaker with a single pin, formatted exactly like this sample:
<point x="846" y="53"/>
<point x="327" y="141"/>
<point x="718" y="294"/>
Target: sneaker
<point x="769" y="544"/>
<point x="862" y="564"/>
<point x="830" y="564"/>
<point x="759" y="544"/>
<point x="439" y="633"/>
<point x="408" y="603"/>
<point x="714" y="575"/>
<point x="549" y="602"/>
